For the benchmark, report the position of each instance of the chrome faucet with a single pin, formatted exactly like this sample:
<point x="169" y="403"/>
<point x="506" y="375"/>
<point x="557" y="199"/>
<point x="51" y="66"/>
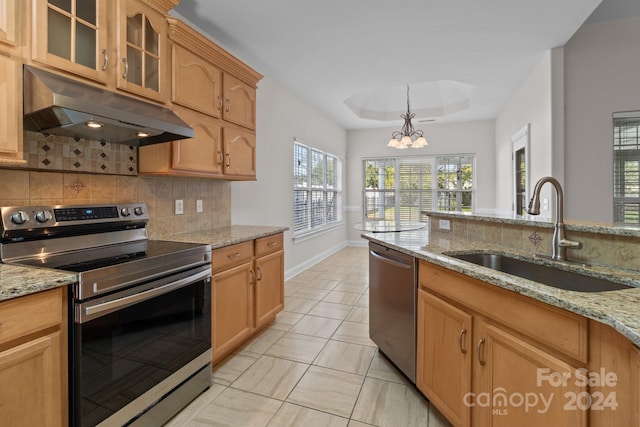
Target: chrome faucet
<point x="559" y="244"/>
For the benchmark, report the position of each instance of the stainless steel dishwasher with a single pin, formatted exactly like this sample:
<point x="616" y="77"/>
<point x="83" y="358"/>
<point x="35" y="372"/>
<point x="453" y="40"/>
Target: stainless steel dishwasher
<point x="392" y="306"/>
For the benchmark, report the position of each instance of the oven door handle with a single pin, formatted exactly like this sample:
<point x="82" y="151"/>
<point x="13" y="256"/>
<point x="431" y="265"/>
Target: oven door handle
<point x="111" y="306"/>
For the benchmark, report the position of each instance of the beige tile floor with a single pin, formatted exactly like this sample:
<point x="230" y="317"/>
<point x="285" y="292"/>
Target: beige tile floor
<point x="315" y="365"/>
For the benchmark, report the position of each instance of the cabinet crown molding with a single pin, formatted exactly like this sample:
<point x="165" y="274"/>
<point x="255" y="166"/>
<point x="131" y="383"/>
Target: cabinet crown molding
<point x="162" y="6"/>
<point x="190" y="39"/>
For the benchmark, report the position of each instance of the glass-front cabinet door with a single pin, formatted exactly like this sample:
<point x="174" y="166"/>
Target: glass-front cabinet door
<point x="72" y="35"/>
<point x="142" y="49"/>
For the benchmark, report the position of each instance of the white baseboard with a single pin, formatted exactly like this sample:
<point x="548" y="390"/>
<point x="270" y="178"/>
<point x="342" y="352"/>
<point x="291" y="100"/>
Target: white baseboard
<point x="362" y="243"/>
<point x="288" y="274"/>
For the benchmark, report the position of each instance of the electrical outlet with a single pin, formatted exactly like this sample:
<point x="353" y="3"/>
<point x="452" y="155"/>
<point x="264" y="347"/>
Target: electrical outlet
<point x="179" y="207"/>
<point x="545" y="204"/>
<point x="444" y="224"/>
<point x="198" y="206"/>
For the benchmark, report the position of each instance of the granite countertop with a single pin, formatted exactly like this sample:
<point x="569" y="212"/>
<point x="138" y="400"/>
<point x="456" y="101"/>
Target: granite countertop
<point x="619" y="309"/>
<point x="17" y="281"/>
<point x="225" y="236"/>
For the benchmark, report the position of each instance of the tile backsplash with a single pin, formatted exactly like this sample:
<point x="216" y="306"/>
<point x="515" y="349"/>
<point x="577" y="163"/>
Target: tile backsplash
<point x="21" y="187"/>
<point x="615" y="250"/>
<point x="59" y="153"/>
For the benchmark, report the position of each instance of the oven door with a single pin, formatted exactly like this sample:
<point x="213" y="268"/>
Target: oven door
<point x="134" y="348"/>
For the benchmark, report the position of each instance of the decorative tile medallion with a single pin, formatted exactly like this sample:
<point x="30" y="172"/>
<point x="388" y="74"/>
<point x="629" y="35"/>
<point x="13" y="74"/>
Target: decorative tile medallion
<point x="535" y="238"/>
<point x="77" y="185"/>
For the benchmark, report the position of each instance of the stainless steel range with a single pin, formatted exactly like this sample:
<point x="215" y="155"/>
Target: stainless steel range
<point x="140" y="339"/>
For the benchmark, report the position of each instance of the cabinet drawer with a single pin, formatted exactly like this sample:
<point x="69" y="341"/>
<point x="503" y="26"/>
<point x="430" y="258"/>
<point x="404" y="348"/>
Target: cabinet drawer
<point x="269" y="244"/>
<point x="558" y="329"/>
<point x="28" y="314"/>
<point x="229" y="256"/>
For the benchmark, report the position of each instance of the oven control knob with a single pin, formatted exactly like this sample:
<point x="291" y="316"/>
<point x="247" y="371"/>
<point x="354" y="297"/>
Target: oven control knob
<point x="138" y="211"/>
<point x="43" y="216"/>
<point x="19" y="217"/>
<point x="125" y="211"/>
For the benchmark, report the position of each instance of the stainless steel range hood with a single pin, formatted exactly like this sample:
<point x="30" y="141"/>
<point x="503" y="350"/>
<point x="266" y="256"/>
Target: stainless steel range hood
<point x="60" y="106"/>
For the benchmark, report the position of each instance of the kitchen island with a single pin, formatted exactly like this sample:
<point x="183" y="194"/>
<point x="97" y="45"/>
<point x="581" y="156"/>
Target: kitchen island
<point x="484" y="334"/>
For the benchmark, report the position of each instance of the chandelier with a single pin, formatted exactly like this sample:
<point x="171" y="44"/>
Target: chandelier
<point x="407" y="136"/>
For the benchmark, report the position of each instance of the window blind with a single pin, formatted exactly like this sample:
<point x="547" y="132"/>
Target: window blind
<point x="626" y="170"/>
<point x="317" y="191"/>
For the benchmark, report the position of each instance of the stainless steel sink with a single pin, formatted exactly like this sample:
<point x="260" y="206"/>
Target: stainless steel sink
<point x="547" y="275"/>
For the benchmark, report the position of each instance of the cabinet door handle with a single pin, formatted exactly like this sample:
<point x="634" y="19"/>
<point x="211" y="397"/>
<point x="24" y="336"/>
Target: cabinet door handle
<point x="463" y="332"/>
<point x="253" y="277"/>
<point x="219" y="103"/>
<point x="232" y="256"/>
<point x="228" y="105"/>
<point x="228" y="160"/>
<point x="105" y="56"/>
<point x="480" y="343"/>
<point x="260" y="271"/>
<point x="271" y="244"/>
<point x="219" y="157"/>
<point x="126" y="68"/>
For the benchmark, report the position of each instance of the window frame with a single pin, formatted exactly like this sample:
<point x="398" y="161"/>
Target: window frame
<point x="626" y="208"/>
<point x="322" y="201"/>
<point x="396" y="193"/>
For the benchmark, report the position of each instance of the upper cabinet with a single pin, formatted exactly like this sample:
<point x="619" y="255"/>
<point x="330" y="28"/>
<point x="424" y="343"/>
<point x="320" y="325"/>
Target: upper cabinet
<point x="143" y="50"/>
<point x="221" y="108"/>
<point x="10" y="107"/>
<point x="72" y="35"/>
<point x="239" y="102"/>
<point x="122" y="44"/>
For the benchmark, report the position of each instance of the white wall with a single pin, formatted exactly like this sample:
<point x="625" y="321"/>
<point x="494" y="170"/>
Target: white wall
<point x="531" y="104"/>
<point x="269" y="200"/>
<point x="475" y="137"/>
<point x="602" y="66"/>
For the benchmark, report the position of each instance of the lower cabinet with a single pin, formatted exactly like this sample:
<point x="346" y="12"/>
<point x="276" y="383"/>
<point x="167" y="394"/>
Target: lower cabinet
<point x="33" y="360"/>
<point x="247" y="291"/>
<point x="616" y="387"/>
<point x="484" y="358"/>
<point x="443" y="371"/>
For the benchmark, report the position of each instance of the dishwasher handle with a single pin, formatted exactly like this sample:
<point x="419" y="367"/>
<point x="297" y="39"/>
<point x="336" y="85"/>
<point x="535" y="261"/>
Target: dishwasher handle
<point x="389" y="260"/>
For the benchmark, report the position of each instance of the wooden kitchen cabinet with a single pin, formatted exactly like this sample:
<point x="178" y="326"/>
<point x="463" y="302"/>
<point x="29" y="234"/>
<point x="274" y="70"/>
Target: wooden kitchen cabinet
<point x="247" y="291"/>
<point x="72" y="37"/>
<point x="239" y="102"/>
<point x="9" y="23"/>
<point x="122" y="44"/>
<point x="617" y="389"/>
<point x="508" y="367"/>
<point x="239" y="153"/>
<point x="269" y="287"/>
<point x="201" y="155"/>
<point x="232" y="308"/>
<point x="33" y="360"/>
<point x="143" y="50"/>
<point x="443" y="372"/>
<point x="187" y="68"/>
<point x="10" y="108"/>
<point x="513" y="345"/>
<point x="221" y="106"/>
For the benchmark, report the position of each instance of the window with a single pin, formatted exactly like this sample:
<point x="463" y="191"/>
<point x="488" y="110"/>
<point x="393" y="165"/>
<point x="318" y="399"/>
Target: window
<point x="626" y="168"/>
<point x="399" y="189"/>
<point x="317" y="189"/>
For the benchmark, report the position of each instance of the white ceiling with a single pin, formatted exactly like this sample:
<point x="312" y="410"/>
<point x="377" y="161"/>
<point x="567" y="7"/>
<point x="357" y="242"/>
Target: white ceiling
<point x="331" y="50"/>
